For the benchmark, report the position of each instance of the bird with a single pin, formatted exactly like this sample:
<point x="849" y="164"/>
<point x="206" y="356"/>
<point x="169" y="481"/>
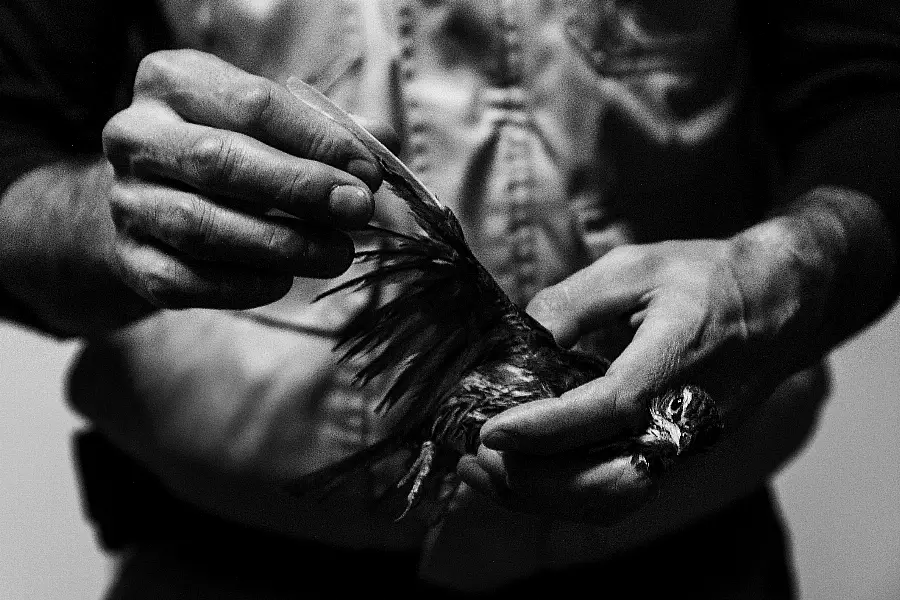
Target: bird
<point x="458" y="351"/>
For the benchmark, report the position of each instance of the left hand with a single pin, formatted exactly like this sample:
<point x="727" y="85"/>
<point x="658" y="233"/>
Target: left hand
<point x="735" y="317"/>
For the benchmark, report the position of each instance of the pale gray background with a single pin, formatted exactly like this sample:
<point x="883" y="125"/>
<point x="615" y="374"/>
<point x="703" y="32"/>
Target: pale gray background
<point x="841" y="496"/>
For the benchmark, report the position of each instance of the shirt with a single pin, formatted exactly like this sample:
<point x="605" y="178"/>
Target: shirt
<point x="555" y="130"/>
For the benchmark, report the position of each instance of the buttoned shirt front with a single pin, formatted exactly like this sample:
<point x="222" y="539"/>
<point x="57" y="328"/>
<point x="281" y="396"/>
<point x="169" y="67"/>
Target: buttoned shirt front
<point x="556" y="130"/>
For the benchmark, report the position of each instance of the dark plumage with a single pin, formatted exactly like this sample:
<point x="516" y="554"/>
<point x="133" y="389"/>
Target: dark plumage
<point x="459" y="351"/>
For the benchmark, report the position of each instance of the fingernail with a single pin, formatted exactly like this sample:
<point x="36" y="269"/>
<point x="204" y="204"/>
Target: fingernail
<point x="500" y="440"/>
<point x="351" y="205"/>
<point x="365" y="170"/>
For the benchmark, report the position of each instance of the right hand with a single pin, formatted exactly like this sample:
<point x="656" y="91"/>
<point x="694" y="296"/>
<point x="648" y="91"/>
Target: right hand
<point x="201" y="157"/>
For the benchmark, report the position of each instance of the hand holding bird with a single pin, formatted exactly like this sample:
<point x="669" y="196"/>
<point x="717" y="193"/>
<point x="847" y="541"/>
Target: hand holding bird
<point x="492" y="393"/>
<point x="455" y="370"/>
<point x="690" y="315"/>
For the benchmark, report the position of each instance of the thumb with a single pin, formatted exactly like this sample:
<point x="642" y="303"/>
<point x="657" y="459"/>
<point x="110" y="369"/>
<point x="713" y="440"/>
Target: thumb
<point x="602" y="409"/>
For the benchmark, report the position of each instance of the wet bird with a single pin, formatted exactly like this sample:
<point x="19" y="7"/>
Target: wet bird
<point x="458" y="351"/>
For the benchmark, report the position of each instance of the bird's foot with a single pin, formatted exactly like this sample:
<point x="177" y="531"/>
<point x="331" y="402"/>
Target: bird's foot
<point x="417" y="474"/>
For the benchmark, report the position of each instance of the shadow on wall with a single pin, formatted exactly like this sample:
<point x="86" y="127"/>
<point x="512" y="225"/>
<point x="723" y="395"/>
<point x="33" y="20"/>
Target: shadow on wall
<point x="840" y="496"/>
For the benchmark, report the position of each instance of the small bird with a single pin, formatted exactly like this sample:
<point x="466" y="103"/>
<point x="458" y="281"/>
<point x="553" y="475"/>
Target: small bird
<point x="459" y="351"/>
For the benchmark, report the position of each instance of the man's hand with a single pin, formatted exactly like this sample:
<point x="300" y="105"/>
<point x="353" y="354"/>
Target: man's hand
<point x="219" y="188"/>
<point x="202" y="155"/>
<point x="735" y="317"/>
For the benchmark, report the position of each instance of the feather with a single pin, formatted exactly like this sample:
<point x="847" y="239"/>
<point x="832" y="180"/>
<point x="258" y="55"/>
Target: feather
<point x="454" y="348"/>
<point x="432" y="268"/>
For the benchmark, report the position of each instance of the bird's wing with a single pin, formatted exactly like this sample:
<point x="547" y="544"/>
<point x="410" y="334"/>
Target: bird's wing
<point x="436" y="325"/>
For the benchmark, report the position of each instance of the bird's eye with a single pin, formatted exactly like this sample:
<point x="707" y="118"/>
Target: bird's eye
<point x="676" y="404"/>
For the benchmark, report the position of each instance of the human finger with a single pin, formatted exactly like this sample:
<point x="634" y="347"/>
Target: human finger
<point x="206" y="90"/>
<point x="192" y="225"/>
<point x="144" y="141"/>
<point x="604" y="408"/>
<point x="181" y="282"/>
<point x="575" y="487"/>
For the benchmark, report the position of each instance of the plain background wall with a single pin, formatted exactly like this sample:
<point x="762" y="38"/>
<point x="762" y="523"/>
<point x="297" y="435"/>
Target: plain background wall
<point x="841" y="496"/>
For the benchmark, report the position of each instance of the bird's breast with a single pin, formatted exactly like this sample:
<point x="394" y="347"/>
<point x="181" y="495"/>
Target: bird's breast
<point x="484" y="392"/>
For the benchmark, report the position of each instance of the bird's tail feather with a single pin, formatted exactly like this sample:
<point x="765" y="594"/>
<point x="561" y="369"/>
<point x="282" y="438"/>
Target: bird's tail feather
<point x="439" y="316"/>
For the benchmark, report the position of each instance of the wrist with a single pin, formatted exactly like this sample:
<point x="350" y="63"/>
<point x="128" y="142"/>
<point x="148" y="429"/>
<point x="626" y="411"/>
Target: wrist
<point x="829" y="258"/>
<point x="56" y="255"/>
<point x="785" y="269"/>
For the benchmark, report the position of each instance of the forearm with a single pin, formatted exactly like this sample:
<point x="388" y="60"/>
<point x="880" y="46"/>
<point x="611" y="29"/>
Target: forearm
<point x="55" y="260"/>
<point x="823" y="265"/>
<point x="825" y="268"/>
<point x="829" y="73"/>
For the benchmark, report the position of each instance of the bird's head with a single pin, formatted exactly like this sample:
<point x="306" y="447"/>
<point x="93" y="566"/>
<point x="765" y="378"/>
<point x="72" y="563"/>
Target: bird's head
<point x="685" y="417"/>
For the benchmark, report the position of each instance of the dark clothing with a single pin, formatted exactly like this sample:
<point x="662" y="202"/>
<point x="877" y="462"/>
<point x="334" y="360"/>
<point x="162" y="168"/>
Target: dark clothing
<point x="749" y="563"/>
<point x="739" y="553"/>
<point x="828" y="72"/>
<point x="827" y="77"/>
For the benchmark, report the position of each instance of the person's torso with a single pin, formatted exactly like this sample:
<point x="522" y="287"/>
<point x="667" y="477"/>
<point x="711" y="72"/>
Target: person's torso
<point x="555" y="129"/>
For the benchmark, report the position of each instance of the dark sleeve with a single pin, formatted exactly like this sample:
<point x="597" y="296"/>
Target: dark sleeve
<point x="830" y="75"/>
<point x="65" y="68"/>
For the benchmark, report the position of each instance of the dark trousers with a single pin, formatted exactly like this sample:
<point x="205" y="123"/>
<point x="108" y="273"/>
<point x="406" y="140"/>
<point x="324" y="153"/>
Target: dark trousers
<point x="173" y="551"/>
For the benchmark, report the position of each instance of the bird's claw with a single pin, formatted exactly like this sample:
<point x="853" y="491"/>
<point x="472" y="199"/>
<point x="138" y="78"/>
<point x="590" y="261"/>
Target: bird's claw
<point x="417" y="473"/>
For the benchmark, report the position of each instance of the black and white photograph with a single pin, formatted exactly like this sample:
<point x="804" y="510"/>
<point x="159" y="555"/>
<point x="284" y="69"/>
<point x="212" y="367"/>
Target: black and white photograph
<point x="445" y="299"/>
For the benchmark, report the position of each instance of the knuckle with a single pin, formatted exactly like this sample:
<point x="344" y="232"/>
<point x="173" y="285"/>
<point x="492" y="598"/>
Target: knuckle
<point x="116" y="129"/>
<point x="203" y="231"/>
<point x="128" y="143"/>
<point x="325" y="143"/>
<point x="164" y="285"/>
<point x="215" y="159"/>
<point x="254" y="102"/>
<point x="118" y="139"/>
<point x="156" y="71"/>
<point x="650" y="259"/>
<point x="627" y="253"/>
<point x="640" y="260"/>
<point x="122" y="202"/>
<point x="298" y="189"/>
<point x="191" y="224"/>
<point x="645" y="259"/>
